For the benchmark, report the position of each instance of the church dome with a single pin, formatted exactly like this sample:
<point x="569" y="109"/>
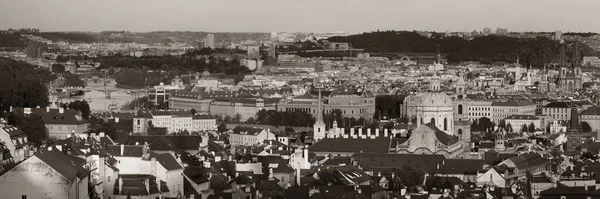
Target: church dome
<point x="205" y="74"/>
<point x="436" y="99"/>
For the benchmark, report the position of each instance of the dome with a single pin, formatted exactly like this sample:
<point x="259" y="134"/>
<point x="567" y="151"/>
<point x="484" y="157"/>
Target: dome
<point x="436" y="99"/>
<point x="205" y="74"/>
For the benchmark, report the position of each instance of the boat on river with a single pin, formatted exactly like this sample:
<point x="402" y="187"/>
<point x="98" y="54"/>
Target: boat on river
<point x="76" y="93"/>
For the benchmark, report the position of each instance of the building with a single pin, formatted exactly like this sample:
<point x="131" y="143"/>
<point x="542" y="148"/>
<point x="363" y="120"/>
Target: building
<point x="558" y="36"/>
<point x="209" y="41"/>
<point x="173" y="120"/>
<point x="487" y="31"/>
<point x="249" y="135"/>
<point x="592" y="117"/>
<point x="570" y="79"/>
<point x="352" y="104"/>
<point x="139" y="164"/>
<point x="558" y="110"/>
<point x="34" y="50"/>
<point x="63" y="177"/>
<point x="161" y="93"/>
<point x="574" y="134"/>
<point x="338" y="45"/>
<point x="253" y="52"/>
<point x="241" y="108"/>
<point x="15" y="140"/>
<point x="60" y="122"/>
<point x="207" y="82"/>
<point x="517" y="122"/>
<point x="501" y="31"/>
<point x="434" y="107"/>
<point x="428" y="139"/>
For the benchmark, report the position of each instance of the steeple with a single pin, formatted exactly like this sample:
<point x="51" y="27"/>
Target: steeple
<point x="319" y="109"/>
<point x="435" y="83"/>
<point x="319" y="127"/>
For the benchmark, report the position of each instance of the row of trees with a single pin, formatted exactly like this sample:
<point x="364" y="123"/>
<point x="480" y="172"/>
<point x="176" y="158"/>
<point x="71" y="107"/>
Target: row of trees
<point x="388" y="106"/>
<point x="486" y="49"/>
<point x="145" y="71"/>
<point x="285" y="118"/>
<point x="144" y="103"/>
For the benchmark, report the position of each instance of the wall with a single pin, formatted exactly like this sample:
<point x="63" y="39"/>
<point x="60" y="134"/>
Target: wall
<point x="26" y="179"/>
<point x="491" y="176"/>
<point x="132" y="165"/>
<point x="62" y="130"/>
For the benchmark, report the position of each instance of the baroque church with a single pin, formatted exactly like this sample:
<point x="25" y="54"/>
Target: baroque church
<point x="435" y="131"/>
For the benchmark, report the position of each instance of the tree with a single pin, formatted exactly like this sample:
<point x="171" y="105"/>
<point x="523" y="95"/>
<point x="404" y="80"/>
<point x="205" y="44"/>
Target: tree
<point x="237" y="117"/>
<point x="289" y="130"/>
<point x="58" y="68"/>
<point x="475" y="126"/>
<point x="509" y="127"/>
<point x="23" y="85"/>
<point x="193" y="111"/>
<point x="32" y="124"/>
<point x="485" y="124"/>
<point x="227" y="118"/>
<point x="81" y="106"/>
<point x="250" y="120"/>
<point x="222" y="127"/>
<point x="585" y="127"/>
<point x="502" y="124"/>
<point x="531" y="128"/>
<point x="524" y="128"/>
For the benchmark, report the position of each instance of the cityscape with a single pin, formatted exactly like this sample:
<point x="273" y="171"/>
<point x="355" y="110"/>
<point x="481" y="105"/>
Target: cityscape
<point x="486" y="112"/>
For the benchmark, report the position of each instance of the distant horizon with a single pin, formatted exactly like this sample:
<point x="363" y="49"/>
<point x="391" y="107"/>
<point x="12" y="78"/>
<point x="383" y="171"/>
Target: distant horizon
<point x="265" y="16"/>
<point x="130" y="31"/>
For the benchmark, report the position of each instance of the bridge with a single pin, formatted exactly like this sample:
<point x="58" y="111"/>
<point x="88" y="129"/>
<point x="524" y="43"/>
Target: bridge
<point x="107" y="91"/>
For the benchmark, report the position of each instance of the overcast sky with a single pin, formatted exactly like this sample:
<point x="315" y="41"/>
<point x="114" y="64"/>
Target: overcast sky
<point x="300" y="15"/>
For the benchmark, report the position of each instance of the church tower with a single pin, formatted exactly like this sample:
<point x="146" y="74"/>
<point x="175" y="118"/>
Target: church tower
<point x="573" y="133"/>
<point x="319" y="127"/>
<point x="500" y="140"/>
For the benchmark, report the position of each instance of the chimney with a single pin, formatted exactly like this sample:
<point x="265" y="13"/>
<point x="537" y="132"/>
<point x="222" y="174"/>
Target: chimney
<point x="377" y="132"/>
<point x="360" y="133"/>
<point x="102" y="134"/>
<point x="47" y="109"/>
<point x="116" y="120"/>
<point x="368" y="133"/>
<point x="270" y="173"/>
<point x="352" y="133"/>
<point x="122" y="149"/>
<point x="385" y="132"/>
<point x="61" y="110"/>
<point x="158" y="184"/>
<point x="147" y="182"/>
<point x="120" y="185"/>
<point x="11" y="109"/>
<point x="305" y="152"/>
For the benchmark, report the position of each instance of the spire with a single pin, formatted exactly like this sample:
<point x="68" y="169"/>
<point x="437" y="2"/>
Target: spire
<point x="319" y="109"/>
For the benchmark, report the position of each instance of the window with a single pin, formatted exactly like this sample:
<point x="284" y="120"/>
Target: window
<point x="23" y="196"/>
<point x="108" y="178"/>
<point x="460" y="107"/>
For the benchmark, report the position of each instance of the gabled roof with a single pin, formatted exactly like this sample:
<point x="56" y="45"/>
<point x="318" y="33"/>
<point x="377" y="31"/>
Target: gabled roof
<point x="384" y="161"/>
<point x="247" y="130"/>
<point x="67" y="165"/>
<point x="168" y="161"/>
<point x="53" y="116"/>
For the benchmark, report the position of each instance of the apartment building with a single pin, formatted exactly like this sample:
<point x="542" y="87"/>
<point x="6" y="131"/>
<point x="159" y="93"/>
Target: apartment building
<point x="173" y="120"/>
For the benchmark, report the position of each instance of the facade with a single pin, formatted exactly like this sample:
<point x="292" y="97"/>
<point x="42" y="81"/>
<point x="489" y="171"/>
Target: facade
<point x="434" y="107"/>
<point x="517" y="122"/>
<point x="560" y="111"/>
<point x="248" y="136"/>
<point x="244" y="107"/>
<point x="351" y="104"/>
<point x="63" y="177"/>
<point x="570" y="79"/>
<point x="173" y="120"/>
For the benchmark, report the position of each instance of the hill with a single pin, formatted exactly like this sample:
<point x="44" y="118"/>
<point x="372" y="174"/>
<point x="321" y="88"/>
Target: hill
<point x="487" y="49"/>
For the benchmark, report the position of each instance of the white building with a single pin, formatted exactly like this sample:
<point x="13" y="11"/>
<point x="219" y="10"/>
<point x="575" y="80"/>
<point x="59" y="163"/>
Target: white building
<point x="49" y="173"/>
<point x="16" y="142"/>
<point x="517" y="122"/>
<point x="249" y="135"/>
<point x="174" y="121"/>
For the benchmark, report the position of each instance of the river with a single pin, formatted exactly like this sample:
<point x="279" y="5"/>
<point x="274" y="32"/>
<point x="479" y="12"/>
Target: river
<point x="98" y="101"/>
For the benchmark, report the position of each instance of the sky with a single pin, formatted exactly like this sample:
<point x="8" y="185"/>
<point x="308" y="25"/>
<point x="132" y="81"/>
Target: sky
<point x="300" y="15"/>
